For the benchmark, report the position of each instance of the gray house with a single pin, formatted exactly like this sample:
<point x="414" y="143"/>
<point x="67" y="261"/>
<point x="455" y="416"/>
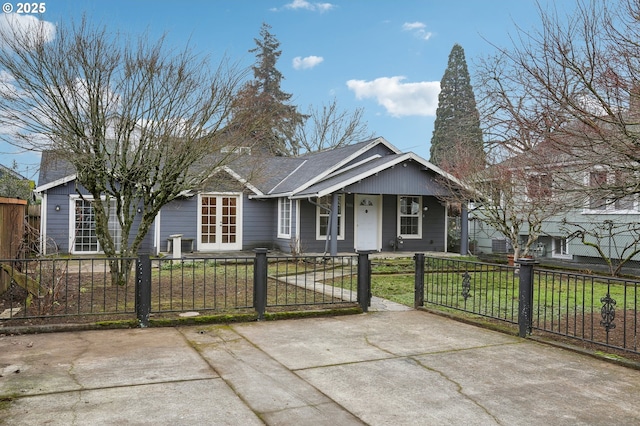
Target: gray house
<point x="366" y="196"/>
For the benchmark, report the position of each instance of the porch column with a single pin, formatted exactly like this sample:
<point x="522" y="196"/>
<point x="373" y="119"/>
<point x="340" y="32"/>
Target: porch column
<point x="464" y="230"/>
<point x="333" y="224"/>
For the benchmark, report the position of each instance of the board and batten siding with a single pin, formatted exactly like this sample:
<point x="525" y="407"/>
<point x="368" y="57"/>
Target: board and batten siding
<point x="308" y="241"/>
<point x="410" y="180"/>
<point x="433" y="226"/>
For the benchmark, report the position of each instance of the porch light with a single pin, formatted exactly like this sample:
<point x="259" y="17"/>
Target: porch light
<point x="58" y="207"/>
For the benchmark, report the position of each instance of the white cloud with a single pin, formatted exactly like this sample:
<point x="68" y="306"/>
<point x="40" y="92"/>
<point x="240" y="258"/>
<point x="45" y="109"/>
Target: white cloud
<point x="418" y="29"/>
<point x="314" y="7"/>
<point x="17" y="25"/>
<point x="301" y="63"/>
<point x="398" y="98"/>
<point x="411" y="26"/>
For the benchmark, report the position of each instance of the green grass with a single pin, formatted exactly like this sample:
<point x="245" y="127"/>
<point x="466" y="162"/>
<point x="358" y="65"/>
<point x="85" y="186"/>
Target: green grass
<point x="397" y="288"/>
<point x="495" y="291"/>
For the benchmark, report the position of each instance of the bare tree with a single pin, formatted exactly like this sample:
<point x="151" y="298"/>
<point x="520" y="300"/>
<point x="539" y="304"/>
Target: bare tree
<point x="139" y="122"/>
<point x="615" y="243"/>
<point x="329" y="127"/>
<point x="567" y="95"/>
<point x="574" y="85"/>
<point x="511" y="197"/>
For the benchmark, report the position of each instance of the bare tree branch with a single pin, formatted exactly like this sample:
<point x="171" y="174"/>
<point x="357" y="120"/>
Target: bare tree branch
<point x="139" y="123"/>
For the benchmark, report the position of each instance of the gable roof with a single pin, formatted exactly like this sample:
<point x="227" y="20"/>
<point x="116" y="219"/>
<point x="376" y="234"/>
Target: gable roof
<point x="366" y="169"/>
<point x="315" y="167"/>
<point x="4" y="170"/>
<point x="311" y="175"/>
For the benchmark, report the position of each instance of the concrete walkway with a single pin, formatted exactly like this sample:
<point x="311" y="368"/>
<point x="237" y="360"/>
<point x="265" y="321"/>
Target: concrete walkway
<point x="314" y="281"/>
<point x="382" y="368"/>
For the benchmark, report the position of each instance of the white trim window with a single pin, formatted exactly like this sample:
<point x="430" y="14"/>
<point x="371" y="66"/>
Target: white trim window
<point x="410" y="216"/>
<point x="560" y="248"/>
<point x="598" y="202"/>
<point x="83" y="237"/>
<point x="539" y="186"/>
<point x="597" y="179"/>
<point x="323" y="213"/>
<point x="284" y="217"/>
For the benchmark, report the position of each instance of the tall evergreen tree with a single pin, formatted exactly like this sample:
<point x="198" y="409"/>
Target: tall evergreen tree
<point x="263" y="103"/>
<point x="456" y="134"/>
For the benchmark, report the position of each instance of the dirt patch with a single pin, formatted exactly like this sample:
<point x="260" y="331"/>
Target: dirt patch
<point x="81" y="297"/>
<point x="620" y="338"/>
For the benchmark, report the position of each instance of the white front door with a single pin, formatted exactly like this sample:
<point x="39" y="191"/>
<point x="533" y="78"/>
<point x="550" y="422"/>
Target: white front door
<point x="219" y="222"/>
<point x="368" y="225"/>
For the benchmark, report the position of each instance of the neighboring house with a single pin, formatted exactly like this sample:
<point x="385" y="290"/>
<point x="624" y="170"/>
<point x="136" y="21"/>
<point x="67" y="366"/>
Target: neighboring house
<point x="613" y="225"/>
<point x="13" y="184"/>
<point x="376" y="197"/>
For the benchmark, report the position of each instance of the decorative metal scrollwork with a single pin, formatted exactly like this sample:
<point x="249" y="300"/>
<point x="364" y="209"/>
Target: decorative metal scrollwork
<point x="608" y="312"/>
<point x="466" y="285"/>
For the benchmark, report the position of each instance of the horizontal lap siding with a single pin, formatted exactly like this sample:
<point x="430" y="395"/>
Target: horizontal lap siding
<point x="259" y="223"/>
<point x="286" y="245"/>
<point x="58" y="221"/>
<point x="57" y="226"/>
<point x="179" y="217"/>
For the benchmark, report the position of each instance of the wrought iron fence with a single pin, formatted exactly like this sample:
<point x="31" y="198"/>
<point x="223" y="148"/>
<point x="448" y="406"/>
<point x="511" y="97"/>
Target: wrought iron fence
<point x="62" y="287"/>
<point x="301" y="281"/>
<point x="201" y="284"/>
<point x="81" y="289"/>
<point x="598" y="309"/>
<point x="594" y="309"/>
<point x="489" y="290"/>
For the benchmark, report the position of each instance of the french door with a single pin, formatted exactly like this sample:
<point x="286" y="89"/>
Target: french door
<point x="219" y="225"/>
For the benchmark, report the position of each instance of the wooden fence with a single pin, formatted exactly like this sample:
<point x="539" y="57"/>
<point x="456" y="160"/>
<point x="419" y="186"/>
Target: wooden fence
<point x="12" y="214"/>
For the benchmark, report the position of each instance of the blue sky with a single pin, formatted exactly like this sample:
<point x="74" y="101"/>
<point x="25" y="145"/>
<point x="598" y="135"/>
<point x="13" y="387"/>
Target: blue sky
<point x="386" y="57"/>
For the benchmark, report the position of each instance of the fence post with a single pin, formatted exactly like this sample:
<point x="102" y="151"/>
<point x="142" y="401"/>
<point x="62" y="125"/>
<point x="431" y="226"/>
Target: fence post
<point x="364" y="281"/>
<point x="418" y="298"/>
<point x="143" y="289"/>
<point x="260" y="282"/>
<point x="525" y="298"/>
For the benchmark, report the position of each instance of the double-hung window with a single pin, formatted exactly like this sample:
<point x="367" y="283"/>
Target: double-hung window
<point x="560" y="247"/>
<point x="410" y="216"/>
<point x="604" y="187"/>
<point x="539" y="187"/>
<point x="323" y="215"/>
<point x="597" y="180"/>
<point x="284" y="218"/>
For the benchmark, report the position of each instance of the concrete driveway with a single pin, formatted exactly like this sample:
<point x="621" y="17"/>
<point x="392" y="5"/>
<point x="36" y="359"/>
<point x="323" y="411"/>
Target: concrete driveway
<point x="380" y="368"/>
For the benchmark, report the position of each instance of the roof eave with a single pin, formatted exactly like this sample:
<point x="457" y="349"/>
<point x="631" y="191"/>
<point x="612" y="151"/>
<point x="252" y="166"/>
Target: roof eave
<point x="55" y="183"/>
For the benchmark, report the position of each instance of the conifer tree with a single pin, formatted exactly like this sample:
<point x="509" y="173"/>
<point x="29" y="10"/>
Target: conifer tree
<point x="456" y="135"/>
<point x="262" y="101"/>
